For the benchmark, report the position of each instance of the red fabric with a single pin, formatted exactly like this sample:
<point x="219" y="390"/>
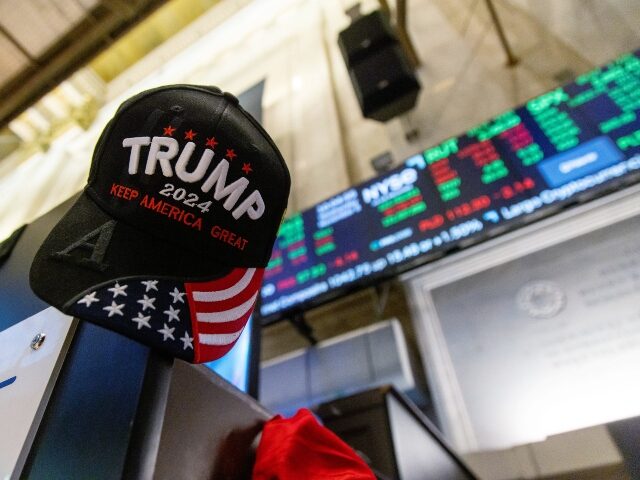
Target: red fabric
<point x="300" y="448"/>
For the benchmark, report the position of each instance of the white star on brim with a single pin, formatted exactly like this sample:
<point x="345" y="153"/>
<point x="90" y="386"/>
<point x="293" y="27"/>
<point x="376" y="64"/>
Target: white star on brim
<point x="150" y="284"/>
<point x="89" y="299"/>
<point x="166" y="333"/>
<point x="147" y="302"/>
<point x="114" y="309"/>
<point x="177" y="295"/>
<point x="118" y="289"/>
<point x="141" y="320"/>
<point x="172" y="313"/>
<point x="187" y="341"/>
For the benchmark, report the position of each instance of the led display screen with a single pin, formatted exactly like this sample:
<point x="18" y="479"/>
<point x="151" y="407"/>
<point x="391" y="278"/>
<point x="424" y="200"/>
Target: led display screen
<point x="567" y="145"/>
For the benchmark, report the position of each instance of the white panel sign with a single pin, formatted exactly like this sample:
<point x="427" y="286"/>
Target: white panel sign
<point x="27" y="375"/>
<point x="550" y="342"/>
<point x="536" y="333"/>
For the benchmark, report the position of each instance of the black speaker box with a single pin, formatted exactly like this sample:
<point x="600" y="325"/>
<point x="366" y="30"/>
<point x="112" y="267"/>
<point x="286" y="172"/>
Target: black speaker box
<point x="365" y="35"/>
<point x="385" y="83"/>
<point x="393" y="436"/>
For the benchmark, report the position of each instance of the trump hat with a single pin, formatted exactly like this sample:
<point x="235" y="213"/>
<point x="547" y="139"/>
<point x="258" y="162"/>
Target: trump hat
<point x="168" y="242"/>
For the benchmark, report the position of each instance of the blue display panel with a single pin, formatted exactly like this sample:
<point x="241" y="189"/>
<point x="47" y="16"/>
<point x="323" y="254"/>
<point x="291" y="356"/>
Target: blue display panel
<point x="237" y="365"/>
<point x="568" y="145"/>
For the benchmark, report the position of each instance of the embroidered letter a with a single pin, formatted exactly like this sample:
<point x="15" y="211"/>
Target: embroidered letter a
<point x="90" y="250"/>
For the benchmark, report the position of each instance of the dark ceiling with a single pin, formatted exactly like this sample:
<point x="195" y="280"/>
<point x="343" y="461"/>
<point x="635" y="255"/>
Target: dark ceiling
<point x="42" y="42"/>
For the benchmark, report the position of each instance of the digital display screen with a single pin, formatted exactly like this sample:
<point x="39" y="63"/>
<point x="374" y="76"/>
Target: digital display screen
<point x="567" y="145"/>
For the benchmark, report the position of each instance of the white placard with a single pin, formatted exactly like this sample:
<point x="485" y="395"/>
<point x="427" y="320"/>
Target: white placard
<point x="535" y="333"/>
<point x="550" y="342"/>
<point x="26" y="379"/>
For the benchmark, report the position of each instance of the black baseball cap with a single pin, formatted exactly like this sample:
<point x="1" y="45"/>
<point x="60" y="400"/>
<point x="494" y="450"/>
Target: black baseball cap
<point x="168" y="242"/>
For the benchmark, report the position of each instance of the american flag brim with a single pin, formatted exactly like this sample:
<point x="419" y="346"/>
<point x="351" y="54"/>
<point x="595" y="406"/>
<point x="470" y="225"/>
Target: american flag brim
<point x="195" y="321"/>
<point x="220" y="310"/>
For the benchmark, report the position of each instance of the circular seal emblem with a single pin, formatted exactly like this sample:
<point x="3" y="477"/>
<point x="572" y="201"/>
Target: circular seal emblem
<point x="541" y="299"/>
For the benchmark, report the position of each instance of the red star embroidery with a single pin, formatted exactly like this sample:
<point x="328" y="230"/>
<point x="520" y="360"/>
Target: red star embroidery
<point x="246" y="168"/>
<point x="231" y="154"/>
<point x="169" y="130"/>
<point x="211" y="142"/>
<point x="189" y="134"/>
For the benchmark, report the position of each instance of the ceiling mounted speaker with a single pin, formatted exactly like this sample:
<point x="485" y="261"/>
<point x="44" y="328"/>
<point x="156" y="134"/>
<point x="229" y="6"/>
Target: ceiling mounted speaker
<point x="385" y="84"/>
<point x="382" y="76"/>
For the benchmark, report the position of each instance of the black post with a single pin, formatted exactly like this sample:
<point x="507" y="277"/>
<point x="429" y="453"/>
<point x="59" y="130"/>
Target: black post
<point x="142" y="453"/>
<point x="303" y="328"/>
<point x="511" y="58"/>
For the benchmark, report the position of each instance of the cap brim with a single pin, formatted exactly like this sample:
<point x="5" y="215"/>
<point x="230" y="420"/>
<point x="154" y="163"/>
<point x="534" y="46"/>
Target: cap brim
<point x="99" y="269"/>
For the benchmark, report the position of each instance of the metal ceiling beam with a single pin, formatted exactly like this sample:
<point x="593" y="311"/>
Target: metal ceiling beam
<point x="403" y="34"/>
<point x="94" y="33"/>
<point x="401" y="28"/>
<point x="511" y="58"/>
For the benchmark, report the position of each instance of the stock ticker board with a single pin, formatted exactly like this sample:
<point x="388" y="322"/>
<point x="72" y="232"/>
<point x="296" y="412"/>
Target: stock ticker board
<point x="574" y="142"/>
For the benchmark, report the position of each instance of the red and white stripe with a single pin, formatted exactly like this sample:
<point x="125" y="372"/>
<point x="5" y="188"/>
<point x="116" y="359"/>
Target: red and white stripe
<point x="220" y="309"/>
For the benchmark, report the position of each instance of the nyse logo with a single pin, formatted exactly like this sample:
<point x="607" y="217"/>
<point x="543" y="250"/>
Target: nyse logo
<point x="391" y="184"/>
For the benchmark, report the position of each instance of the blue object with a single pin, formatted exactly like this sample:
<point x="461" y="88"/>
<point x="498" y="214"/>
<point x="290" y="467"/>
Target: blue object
<point x="585" y="159"/>
<point x="6" y="383"/>
<point x="235" y="366"/>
